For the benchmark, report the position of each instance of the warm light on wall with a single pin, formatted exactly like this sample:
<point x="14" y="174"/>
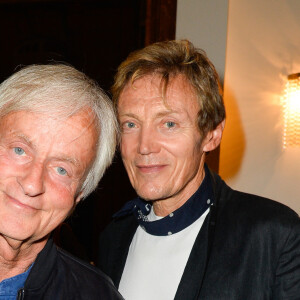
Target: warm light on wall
<point x="291" y="135"/>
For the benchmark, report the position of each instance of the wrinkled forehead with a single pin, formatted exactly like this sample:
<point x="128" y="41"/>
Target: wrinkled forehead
<point x="174" y="92"/>
<point x="84" y="118"/>
<point x="163" y="80"/>
<point x="55" y="107"/>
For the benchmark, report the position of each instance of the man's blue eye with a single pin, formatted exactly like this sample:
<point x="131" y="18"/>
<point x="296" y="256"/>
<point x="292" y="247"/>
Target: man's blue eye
<point x="130" y="124"/>
<point x="19" y="151"/>
<point x="61" y="171"/>
<point x="170" y="124"/>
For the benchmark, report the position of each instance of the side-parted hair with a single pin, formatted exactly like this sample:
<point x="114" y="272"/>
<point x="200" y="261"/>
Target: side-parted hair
<point x="61" y="91"/>
<point x="169" y="59"/>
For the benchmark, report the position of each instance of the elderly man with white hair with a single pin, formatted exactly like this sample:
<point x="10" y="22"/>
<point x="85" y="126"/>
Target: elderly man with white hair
<point x="57" y="137"/>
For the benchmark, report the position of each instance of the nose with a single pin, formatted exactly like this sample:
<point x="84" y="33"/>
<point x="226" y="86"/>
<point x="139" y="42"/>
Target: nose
<point x="148" y="141"/>
<point x="32" y="180"/>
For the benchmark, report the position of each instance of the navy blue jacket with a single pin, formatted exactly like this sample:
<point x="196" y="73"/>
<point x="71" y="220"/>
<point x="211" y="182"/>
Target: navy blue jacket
<point x="57" y="275"/>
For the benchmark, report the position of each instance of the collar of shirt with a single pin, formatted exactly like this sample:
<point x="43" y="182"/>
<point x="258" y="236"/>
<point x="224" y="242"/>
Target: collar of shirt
<point x="179" y="219"/>
<point x="9" y="287"/>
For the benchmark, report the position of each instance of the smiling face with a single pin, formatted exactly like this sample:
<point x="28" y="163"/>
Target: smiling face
<point x="42" y="161"/>
<point x="161" y="146"/>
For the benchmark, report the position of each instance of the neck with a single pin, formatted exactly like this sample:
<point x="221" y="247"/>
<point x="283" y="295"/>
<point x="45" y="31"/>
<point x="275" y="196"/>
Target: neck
<point x="17" y="256"/>
<point x="164" y="207"/>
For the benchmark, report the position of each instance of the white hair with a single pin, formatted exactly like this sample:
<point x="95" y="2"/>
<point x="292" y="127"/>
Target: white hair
<point x="63" y="91"/>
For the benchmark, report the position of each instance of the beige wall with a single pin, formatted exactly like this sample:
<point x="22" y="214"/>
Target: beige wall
<point x="263" y="46"/>
<point x="204" y="22"/>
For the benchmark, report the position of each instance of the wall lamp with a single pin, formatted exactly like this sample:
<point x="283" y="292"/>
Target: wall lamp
<point x="291" y="105"/>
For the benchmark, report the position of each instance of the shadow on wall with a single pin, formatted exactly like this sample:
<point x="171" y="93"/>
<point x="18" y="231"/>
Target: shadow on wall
<point x="233" y="142"/>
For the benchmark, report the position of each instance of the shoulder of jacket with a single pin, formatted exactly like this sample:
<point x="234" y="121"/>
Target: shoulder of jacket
<point x="120" y="225"/>
<point x="241" y="205"/>
<point x="81" y="268"/>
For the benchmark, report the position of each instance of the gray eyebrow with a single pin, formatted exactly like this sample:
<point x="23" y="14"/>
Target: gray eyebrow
<point x="26" y="139"/>
<point x="72" y="160"/>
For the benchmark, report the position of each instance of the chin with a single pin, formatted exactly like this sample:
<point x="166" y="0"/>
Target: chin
<point x="17" y="230"/>
<point x="152" y="193"/>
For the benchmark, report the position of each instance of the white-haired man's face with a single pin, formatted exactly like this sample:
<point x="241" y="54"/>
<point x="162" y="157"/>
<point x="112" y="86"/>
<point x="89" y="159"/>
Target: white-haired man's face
<point x="43" y="161"/>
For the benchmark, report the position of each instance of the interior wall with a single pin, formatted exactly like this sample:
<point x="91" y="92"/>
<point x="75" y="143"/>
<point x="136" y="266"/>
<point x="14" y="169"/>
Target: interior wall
<point x="204" y="23"/>
<point x="263" y="47"/>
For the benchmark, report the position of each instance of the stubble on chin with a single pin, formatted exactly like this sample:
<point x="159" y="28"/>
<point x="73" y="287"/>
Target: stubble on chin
<point x="152" y="193"/>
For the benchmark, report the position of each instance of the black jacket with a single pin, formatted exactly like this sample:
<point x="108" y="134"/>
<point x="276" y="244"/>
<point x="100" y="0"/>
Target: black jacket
<point x="58" y="275"/>
<point x="248" y="248"/>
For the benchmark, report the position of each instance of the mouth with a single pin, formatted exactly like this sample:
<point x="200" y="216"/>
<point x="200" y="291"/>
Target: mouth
<point x="20" y="205"/>
<point x="147" y="169"/>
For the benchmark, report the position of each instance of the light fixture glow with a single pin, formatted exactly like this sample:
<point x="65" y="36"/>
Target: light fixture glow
<point x="291" y="104"/>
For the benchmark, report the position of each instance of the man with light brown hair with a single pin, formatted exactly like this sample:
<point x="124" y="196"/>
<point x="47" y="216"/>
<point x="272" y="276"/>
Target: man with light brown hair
<point x="188" y="235"/>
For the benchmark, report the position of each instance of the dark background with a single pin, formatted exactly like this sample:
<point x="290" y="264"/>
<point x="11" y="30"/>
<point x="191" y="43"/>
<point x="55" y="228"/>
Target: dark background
<point x="94" y="36"/>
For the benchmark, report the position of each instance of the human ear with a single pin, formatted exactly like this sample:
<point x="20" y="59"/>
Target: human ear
<point x="78" y="198"/>
<point x="213" y="138"/>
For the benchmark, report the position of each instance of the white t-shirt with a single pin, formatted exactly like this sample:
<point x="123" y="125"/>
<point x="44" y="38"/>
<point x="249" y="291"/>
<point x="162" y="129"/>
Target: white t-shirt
<point x="155" y="264"/>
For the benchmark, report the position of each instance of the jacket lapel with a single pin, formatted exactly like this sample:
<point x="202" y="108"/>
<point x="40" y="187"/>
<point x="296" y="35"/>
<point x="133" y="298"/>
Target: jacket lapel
<point x="194" y="273"/>
<point x="192" y="277"/>
<point x="121" y="251"/>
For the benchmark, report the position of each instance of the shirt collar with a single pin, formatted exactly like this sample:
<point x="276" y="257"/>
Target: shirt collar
<point x="9" y="287"/>
<point x="179" y="219"/>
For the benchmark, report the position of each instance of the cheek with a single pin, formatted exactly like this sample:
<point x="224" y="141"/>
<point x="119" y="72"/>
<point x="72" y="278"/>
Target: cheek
<point x="127" y="148"/>
<point x="185" y="154"/>
<point x="8" y="165"/>
<point x="179" y="148"/>
<point x="61" y="196"/>
<point x="7" y="168"/>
